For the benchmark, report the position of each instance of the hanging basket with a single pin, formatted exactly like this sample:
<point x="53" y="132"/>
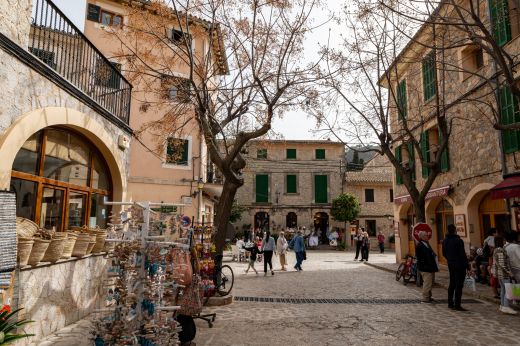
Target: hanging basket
<point x="81" y="245"/>
<point x="91" y="243"/>
<point x="101" y="236"/>
<point x="55" y="250"/>
<point x="25" y="227"/>
<point x="69" y="245"/>
<point x="38" y="251"/>
<point x="24" y="250"/>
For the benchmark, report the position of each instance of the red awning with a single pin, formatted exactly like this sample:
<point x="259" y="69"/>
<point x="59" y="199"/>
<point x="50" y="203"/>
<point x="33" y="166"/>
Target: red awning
<point x="509" y="188"/>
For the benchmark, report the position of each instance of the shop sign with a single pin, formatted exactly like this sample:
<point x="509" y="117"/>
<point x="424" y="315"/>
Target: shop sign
<point x="434" y="193"/>
<point x="460" y="224"/>
<point x="421" y="227"/>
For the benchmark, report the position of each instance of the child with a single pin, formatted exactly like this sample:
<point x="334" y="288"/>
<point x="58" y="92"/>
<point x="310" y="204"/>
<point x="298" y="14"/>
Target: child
<point x="253" y="250"/>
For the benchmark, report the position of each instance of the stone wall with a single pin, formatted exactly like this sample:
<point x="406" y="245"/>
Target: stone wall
<point x="54" y="296"/>
<point x="15" y="20"/>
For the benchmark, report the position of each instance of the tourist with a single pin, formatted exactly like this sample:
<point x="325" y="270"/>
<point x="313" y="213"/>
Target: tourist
<point x="502" y="272"/>
<point x="268" y="247"/>
<point x="365" y="246"/>
<point x="298" y="245"/>
<point x="453" y="250"/>
<point x="281" y="246"/>
<point x="358" y="238"/>
<point x="513" y="253"/>
<point x="253" y="252"/>
<point x="427" y="265"/>
<point x="240" y="246"/>
<point x="381" y="242"/>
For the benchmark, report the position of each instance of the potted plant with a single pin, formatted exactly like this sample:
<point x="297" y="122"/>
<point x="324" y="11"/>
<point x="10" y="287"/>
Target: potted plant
<point x="9" y="324"/>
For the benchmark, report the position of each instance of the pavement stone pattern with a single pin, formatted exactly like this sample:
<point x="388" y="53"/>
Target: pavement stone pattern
<point x="334" y="274"/>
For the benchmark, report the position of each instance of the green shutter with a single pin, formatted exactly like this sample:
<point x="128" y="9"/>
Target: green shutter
<point x="185" y="152"/>
<point x="291" y="154"/>
<point x="402" y="105"/>
<point x="320" y="154"/>
<point x="429" y="74"/>
<point x="261" y="154"/>
<point x="177" y="151"/>
<point x="320" y="189"/>
<point x="509" y="114"/>
<point x="262" y="188"/>
<point x="500" y="19"/>
<point x="445" y="158"/>
<point x="425" y="151"/>
<point x="411" y="159"/>
<point x="291" y="185"/>
<point x="398" y="157"/>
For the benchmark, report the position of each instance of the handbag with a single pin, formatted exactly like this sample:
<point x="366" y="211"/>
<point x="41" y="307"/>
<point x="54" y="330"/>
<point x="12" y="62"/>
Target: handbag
<point x="190" y="301"/>
<point x="470" y="283"/>
<point x="512" y="290"/>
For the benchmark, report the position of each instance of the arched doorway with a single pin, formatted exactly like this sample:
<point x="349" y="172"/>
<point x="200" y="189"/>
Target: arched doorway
<point x="291" y="220"/>
<point x="443" y="217"/>
<point x="411" y="220"/>
<point x="321" y="225"/>
<point x="262" y="221"/>
<point x="493" y="214"/>
<point x="61" y="180"/>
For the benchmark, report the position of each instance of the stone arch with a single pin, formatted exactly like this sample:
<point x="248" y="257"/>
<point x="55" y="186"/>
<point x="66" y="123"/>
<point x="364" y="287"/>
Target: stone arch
<point x="31" y="122"/>
<point x="471" y="205"/>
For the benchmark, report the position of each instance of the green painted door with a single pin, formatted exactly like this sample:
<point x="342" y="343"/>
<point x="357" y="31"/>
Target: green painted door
<point x="320" y="189"/>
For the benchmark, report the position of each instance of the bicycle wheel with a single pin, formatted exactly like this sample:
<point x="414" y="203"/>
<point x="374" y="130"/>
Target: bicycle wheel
<point x="227" y="278"/>
<point x="408" y="275"/>
<point x="399" y="272"/>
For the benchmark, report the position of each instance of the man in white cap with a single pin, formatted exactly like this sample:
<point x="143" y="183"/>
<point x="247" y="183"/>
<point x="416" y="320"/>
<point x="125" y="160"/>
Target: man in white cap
<point x="427" y="265"/>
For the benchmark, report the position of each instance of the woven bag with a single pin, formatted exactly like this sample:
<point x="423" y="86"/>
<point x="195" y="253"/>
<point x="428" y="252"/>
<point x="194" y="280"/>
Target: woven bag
<point x="38" y="251"/>
<point x="25" y="227"/>
<point x="190" y="301"/>
<point x="24" y="250"/>
<point x="55" y="250"/>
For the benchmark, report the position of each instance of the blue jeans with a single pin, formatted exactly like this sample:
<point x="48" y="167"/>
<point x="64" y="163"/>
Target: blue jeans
<point x="299" y="260"/>
<point x="503" y="300"/>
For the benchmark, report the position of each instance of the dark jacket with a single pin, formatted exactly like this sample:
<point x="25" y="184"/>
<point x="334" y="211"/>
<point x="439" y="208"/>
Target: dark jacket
<point x="453" y="250"/>
<point x="426" y="258"/>
<point x="254" y="251"/>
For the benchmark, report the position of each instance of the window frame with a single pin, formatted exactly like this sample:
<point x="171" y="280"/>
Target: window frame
<point x="290" y="150"/>
<point x="267" y="199"/>
<point x="166" y="164"/>
<point x="320" y="150"/>
<point x="314" y="181"/>
<point x="372" y="198"/>
<point x="111" y="15"/>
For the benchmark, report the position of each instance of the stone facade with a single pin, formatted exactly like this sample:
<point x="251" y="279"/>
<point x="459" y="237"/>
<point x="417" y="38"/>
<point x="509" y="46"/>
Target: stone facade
<point x="277" y="166"/>
<point x="375" y="176"/>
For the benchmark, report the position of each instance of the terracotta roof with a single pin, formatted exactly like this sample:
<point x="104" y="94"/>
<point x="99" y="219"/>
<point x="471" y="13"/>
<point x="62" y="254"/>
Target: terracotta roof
<point x="369" y="177"/>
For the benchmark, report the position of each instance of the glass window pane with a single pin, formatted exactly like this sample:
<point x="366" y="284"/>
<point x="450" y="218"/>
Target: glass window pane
<point x="25" y="197"/>
<point x="105" y="18"/>
<point x="77" y="209"/>
<point x="66" y="158"/>
<point x="98" y="211"/>
<point x="52" y="208"/>
<point x="27" y="158"/>
<point x="100" y="175"/>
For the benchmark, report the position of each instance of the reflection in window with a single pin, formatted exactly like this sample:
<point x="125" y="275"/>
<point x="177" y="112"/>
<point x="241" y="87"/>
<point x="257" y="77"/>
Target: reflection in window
<point x="25" y="191"/>
<point x="98" y="211"/>
<point x="66" y="158"/>
<point x="27" y="158"/>
<point x="51" y="209"/>
<point x="100" y="175"/>
<point x="77" y="209"/>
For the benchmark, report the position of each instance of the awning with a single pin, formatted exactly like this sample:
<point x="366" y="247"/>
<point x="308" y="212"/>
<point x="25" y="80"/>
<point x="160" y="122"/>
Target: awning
<point x="433" y="193"/>
<point x="508" y="188"/>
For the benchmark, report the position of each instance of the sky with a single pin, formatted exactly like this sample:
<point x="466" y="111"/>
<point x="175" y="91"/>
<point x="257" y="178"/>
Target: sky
<point x="293" y="125"/>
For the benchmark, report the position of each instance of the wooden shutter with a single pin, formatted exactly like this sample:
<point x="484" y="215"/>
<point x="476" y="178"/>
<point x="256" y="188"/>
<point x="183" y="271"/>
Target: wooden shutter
<point x="445" y="158"/>
<point x="398" y="157"/>
<point x="291" y="154"/>
<point x="411" y="159"/>
<point x="429" y="74"/>
<point x="500" y="19"/>
<point x="402" y="106"/>
<point x="262" y="188"/>
<point x="320" y="189"/>
<point x="93" y="12"/>
<point x="320" y="154"/>
<point x="509" y="114"/>
<point x="291" y="184"/>
<point x="425" y="150"/>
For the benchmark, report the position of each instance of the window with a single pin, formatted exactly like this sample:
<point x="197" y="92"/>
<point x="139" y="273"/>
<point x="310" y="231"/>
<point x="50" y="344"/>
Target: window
<point x="320" y="154"/>
<point x="402" y="105"/>
<point x="177" y="37"/>
<point x="261" y="154"/>
<point x="371" y="227"/>
<point x="291" y="183"/>
<point x="369" y="195"/>
<point x="429" y="74"/>
<point x="56" y="176"/>
<point x="110" y="19"/>
<point x="106" y="76"/>
<point x="45" y="56"/>
<point x="509" y="114"/>
<point x="391" y="196"/>
<point x="321" y="191"/>
<point x="430" y="142"/>
<point x="291" y="154"/>
<point x="262" y="188"/>
<point x="176" y="89"/>
<point x="177" y="151"/>
<point x="501" y="22"/>
<point x="472" y="60"/>
<point x="405" y="154"/>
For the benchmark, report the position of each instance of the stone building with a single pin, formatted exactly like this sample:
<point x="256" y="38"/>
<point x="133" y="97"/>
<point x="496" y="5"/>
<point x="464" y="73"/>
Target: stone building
<point x="478" y="158"/>
<point x="64" y="149"/>
<point x="178" y="172"/>
<point x="290" y="183"/>
<point x="372" y="186"/>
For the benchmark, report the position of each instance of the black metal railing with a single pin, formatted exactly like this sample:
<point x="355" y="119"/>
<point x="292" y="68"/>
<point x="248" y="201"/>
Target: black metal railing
<point x="56" y="41"/>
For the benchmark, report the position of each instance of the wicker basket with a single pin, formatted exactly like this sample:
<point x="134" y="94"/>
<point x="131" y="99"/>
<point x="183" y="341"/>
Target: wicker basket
<point x="81" y="245"/>
<point x="24" y="250"/>
<point x="109" y="246"/>
<point x="55" y="250"/>
<point x="101" y="236"/>
<point x="60" y="235"/>
<point x="91" y="243"/>
<point x="38" y="251"/>
<point x="25" y="227"/>
<point x="69" y="245"/>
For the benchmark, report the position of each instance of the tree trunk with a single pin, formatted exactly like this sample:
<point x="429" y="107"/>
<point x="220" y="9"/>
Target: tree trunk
<point x="420" y="210"/>
<point x="224" y="206"/>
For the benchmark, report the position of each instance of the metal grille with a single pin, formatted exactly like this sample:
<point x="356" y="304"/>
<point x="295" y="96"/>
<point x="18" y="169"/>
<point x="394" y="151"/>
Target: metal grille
<point x="374" y="301"/>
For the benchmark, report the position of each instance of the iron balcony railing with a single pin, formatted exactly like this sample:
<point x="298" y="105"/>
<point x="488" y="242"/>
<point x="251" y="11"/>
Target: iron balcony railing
<point x="56" y="41"/>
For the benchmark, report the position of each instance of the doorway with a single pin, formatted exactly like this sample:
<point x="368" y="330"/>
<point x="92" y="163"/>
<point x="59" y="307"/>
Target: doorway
<point x="493" y="214"/>
<point x="321" y="226"/>
<point x="443" y="217"/>
<point x="262" y="221"/>
<point x="291" y="220"/>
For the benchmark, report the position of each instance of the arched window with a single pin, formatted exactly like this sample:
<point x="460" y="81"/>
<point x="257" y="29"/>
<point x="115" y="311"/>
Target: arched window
<point x="61" y="180"/>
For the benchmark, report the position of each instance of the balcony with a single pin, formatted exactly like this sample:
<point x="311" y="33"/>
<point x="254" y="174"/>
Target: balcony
<point x="59" y="44"/>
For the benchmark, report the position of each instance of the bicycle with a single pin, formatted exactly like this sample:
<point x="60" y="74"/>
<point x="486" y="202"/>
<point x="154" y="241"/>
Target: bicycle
<point x="408" y="270"/>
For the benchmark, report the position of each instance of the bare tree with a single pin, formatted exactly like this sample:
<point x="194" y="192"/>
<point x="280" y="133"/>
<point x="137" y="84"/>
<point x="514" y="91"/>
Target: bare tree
<point x="248" y="71"/>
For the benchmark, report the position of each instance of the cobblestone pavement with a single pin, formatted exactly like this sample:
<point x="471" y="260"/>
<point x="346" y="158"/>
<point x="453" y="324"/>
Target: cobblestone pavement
<point x="380" y="311"/>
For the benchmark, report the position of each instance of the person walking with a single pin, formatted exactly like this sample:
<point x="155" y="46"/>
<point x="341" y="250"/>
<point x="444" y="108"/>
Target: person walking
<point x="453" y="251"/>
<point x="358" y="239"/>
<point x="298" y="245"/>
<point x="502" y="272"/>
<point x="513" y="253"/>
<point x="381" y="242"/>
<point x="253" y="251"/>
<point x="427" y="265"/>
<point x="281" y="247"/>
<point x="268" y="247"/>
<point x="365" y="246"/>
